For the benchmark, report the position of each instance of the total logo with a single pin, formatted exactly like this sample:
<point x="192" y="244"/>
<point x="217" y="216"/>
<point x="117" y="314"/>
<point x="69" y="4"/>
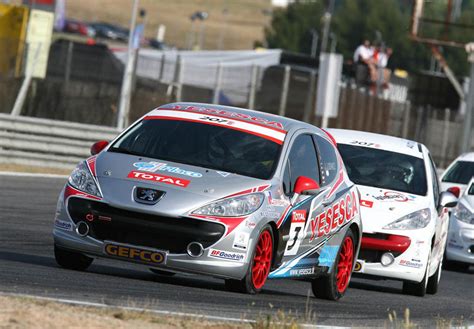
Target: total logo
<point x="234" y="256"/>
<point x="153" y="166"/>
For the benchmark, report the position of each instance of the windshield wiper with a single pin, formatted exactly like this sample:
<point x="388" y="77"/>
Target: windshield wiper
<point x="124" y="151"/>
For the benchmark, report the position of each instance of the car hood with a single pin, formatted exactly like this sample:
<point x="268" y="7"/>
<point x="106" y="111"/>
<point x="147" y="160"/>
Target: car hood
<point x="380" y="207"/>
<point x="120" y="174"/>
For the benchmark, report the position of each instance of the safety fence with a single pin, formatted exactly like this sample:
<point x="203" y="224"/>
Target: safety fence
<point x="50" y="143"/>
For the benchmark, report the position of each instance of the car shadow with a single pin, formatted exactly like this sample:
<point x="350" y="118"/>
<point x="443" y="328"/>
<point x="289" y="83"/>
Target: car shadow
<point x="374" y="287"/>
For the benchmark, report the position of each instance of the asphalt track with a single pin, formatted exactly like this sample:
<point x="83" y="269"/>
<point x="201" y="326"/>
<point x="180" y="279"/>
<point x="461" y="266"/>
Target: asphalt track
<point x="27" y="266"/>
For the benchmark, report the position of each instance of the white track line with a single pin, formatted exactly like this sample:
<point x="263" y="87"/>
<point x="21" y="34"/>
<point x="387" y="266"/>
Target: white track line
<point x="26" y="174"/>
<point x="160" y="312"/>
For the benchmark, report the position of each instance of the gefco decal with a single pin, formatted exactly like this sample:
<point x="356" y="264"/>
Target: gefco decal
<point x="137" y="254"/>
<point x="151" y="177"/>
<point x="233" y="256"/>
<point x="367" y="144"/>
<point x="153" y="166"/>
<point x="229" y="114"/>
<point x="393" y="196"/>
<point x="334" y="217"/>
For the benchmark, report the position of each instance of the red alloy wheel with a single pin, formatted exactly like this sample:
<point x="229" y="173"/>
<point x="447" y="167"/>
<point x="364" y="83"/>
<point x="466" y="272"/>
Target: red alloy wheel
<point x="344" y="267"/>
<point x="262" y="260"/>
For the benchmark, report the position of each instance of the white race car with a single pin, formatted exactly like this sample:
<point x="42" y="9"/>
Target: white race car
<point x="404" y="215"/>
<point x="458" y="174"/>
<point x="460" y="247"/>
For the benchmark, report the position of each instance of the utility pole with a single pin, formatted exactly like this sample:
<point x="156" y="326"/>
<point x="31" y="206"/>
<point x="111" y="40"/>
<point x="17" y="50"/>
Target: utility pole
<point x="327" y="24"/>
<point x="126" y="92"/>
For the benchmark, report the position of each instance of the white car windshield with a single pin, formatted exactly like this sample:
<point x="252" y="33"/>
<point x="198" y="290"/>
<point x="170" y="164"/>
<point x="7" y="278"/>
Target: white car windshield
<point x="384" y="169"/>
<point x="461" y="173"/>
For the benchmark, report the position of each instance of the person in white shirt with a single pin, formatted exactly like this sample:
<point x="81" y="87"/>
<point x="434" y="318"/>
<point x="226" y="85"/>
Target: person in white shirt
<point x="364" y="55"/>
<point x="382" y="62"/>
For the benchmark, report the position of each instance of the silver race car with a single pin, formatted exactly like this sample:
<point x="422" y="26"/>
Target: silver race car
<point x="227" y="192"/>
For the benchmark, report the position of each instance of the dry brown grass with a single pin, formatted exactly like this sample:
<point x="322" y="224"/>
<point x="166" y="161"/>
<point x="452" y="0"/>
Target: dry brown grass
<point x="25" y="313"/>
<point x="245" y="18"/>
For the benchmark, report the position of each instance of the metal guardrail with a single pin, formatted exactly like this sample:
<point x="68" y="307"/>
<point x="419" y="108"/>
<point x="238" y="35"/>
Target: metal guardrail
<point x="49" y="143"/>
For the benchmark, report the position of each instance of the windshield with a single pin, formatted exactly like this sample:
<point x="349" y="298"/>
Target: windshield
<point x="471" y="189"/>
<point x="384" y="169"/>
<point x="201" y="145"/>
<point x="461" y="172"/>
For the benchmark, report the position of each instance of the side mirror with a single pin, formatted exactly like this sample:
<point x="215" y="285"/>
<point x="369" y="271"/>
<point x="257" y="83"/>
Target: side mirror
<point x="455" y="190"/>
<point x="305" y="185"/>
<point x="97" y="147"/>
<point x="447" y="199"/>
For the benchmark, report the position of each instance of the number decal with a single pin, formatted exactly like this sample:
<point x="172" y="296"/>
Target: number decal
<point x="214" y="119"/>
<point x="298" y="219"/>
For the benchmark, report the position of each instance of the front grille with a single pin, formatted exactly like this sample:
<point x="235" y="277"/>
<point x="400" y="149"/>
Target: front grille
<point x="159" y="232"/>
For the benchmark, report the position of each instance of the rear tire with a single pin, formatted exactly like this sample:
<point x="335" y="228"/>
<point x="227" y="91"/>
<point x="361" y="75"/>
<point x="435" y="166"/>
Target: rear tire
<point x="259" y="267"/>
<point x="71" y="260"/>
<point x="334" y="285"/>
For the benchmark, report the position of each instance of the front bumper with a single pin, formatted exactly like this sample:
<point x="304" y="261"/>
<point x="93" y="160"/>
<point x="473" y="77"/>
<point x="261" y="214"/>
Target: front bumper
<point x="120" y="226"/>
<point x="410" y="256"/>
<point x="460" y="244"/>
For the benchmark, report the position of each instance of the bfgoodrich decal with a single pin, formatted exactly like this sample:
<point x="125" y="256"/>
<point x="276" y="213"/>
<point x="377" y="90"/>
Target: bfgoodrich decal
<point x="233" y="256"/>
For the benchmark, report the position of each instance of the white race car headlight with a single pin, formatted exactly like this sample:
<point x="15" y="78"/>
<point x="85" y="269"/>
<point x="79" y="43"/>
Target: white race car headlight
<point x="463" y="214"/>
<point x="82" y="180"/>
<point x="413" y="221"/>
<point x="233" y="207"/>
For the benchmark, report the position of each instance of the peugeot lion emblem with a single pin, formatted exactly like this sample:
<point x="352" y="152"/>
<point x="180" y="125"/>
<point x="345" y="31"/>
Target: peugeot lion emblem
<point x="147" y="195"/>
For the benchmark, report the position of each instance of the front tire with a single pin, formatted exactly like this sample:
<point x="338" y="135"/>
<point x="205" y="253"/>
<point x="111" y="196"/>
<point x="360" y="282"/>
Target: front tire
<point x="71" y="260"/>
<point x="259" y="267"/>
<point x="334" y="285"/>
<point x="417" y="288"/>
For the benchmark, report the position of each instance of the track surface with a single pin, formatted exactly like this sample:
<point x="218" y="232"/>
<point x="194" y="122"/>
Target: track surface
<point x="27" y="266"/>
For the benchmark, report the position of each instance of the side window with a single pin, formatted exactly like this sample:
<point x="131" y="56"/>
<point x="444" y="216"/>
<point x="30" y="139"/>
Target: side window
<point x="327" y="160"/>
<point x="302" y="161"/>
<point x="435" y="182"/>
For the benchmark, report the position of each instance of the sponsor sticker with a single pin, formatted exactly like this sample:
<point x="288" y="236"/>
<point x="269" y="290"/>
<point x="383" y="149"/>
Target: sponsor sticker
<point x="159" y="178"/>
<point x="148" y="256"/>
<point x="414" y="263"/>
<point x="359" y="266"/>
<point x="302" y="271"/>
<point x="366" y="203"/>
<point x="241" y="240"/>
<point x="365" y="144"/>
<point x="62" y="225"/>
<point x="393" y="196"/>
<point x="277" y="202"/>
<point x="153" y="166"/>
<point x="232" y="256"/>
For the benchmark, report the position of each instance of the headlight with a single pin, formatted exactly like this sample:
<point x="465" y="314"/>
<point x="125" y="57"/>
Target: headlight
<point x="233" y="207"/>
<point x="413" y="221"/>
<point x="82" y="180"/>
<point x="463" y="214"/>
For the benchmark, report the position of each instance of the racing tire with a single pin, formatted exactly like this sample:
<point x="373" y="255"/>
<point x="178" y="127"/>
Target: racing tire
<point x="161" y="272"/>
<point x="259" y="267"/>
<point x="433" y="281"/>
<point x="333" y="285"/>
<point x="71" y="260"/>
<point x="416" y="288"/>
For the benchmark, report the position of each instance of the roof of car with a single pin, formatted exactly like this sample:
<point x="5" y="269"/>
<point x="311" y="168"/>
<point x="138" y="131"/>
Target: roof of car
<point x="466" y="157"/>
<point x="287" y="123"/>
<point x="378" y="141"/>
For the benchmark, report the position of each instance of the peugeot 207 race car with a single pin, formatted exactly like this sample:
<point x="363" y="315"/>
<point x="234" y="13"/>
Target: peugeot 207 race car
<point x="215" y="190"/>
<point x="458" y="174"/>
<point x="404" y="215"/>
<point x="460" y="247"/>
